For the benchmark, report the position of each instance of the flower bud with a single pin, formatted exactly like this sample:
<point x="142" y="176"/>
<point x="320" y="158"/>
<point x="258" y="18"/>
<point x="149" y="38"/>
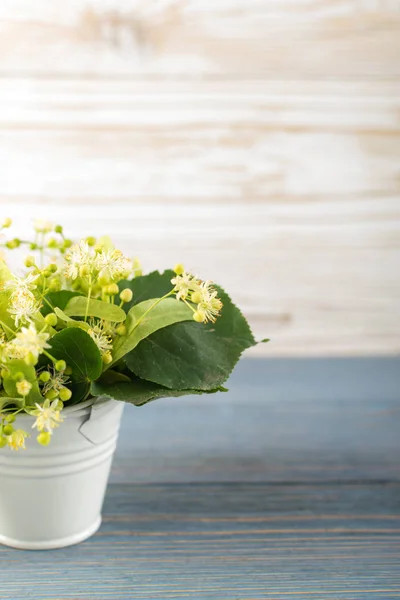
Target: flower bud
<point x="121" y="330"/>
<point x="54" y="285"/>
<point x="10" y="418"/>
<point x="52" y="243"/>
<point x="3" y="442"/>
<point x="196" y="297"/>
<point x="51" y="394"/>
<point x="68" y="243"/>
<point x="19" y="376"/>
<point x="44" y="438"/>
<point x="199" y="316"/>
<point x="33" y="246"/>
<point x="51" y="319"/>
<point x="91" y="241"/>
<point x="107" y="358"/>
<point x="44" y="376"/>
<point x="6" y="223"/>
<point x="12" y="244"/>
<point x="30" y="360"/>
<point x="30" y="261"/>
<point x="58" y="229"/>
<point x="179" y="269"/>
<point x="126" y="295"/>
<point x="84" y="270"/>
<point x="60" y="365"/>
<point x="8" y="429"/>
<point x="112" y="289"/>
<point x="104" y="278"/>
<point x="65" y="394"/>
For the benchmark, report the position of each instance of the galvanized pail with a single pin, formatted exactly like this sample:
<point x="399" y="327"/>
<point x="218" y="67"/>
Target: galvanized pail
<point x="51" y="497"/>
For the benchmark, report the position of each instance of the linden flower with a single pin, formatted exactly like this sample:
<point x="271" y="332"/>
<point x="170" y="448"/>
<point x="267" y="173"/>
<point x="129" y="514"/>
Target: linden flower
<point x="209" y="305"/>
<point x="23" y="305"/>
<point x="30" y="341"/>
<point x="19" y="284"/>
<point x="113" y="265"/>
<point x="184" y="284"/>
<point x="16" y="440"/>
<point x="80" y="257"/>
<point x="56" y="382"/>
<point x="47" y="416"/>
<point x="42" y="226"/>
<point x="23" y="387"/>
<point x="11" y="351"/>
<point x="101" y="337"/>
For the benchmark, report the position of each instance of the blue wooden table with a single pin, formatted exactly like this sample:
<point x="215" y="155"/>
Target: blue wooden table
<point x="287" y="487"/>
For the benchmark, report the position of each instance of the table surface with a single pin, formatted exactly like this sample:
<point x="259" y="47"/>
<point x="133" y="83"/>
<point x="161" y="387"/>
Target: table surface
<point x="286" y="487"/>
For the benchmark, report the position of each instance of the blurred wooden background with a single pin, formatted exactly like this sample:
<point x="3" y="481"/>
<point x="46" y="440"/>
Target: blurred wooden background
<point x="258" y="141"/>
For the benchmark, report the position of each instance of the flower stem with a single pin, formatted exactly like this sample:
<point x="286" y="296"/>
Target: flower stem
<point x="88" y="298"/>
<point x="151" y="308"/>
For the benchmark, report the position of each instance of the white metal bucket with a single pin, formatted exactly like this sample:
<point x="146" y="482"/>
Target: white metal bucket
<point x="51" y="497"/>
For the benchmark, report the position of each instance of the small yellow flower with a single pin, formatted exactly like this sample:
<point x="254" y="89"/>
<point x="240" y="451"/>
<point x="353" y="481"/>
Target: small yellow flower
<point x="30" y="341"/>
<point x="101" y="337"/>
<point x="47" y="416"/>
<point x="23" y="305"/>
<point x="23" y="387"/>
<point x="43" y="226"/>
<point x="208" y="303"/>
<point x="184" y="284"/>
<point x="79" y="258"/>
<point x="112" y="265"/>
<point x="16" y="440"/>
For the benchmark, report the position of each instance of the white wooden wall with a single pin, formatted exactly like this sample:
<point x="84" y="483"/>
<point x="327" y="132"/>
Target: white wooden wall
<point x="257" y="141"/>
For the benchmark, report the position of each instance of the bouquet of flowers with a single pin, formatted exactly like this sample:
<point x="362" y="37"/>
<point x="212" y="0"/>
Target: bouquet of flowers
<point x="84" y="322"/>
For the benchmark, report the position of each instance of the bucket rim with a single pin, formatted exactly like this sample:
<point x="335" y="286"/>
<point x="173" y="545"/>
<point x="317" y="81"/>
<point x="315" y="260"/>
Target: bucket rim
<point x="81" y="407"/>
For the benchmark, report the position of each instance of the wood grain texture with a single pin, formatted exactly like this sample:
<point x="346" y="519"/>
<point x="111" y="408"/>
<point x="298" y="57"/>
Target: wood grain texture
<point x="273" y="536"/>
<point x="236" y="38"/>
<point x="294" y="184"/>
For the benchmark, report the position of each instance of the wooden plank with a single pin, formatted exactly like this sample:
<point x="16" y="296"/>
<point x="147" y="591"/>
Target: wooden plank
<point x="333" y="532"/>
<point x="252" y="38"/>
<point x="296" y="185"/>
<point x="250" y="542"/>
<point x="282" y="421"/>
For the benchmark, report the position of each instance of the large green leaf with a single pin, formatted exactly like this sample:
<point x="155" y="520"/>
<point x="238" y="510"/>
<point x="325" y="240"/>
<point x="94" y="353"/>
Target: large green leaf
<point x="29" y="373"/>
<point x="140" y="392"/>
<point x="145" y="287"/>
<point x="80" y="353"/>
<point x="79" y="307"/>
<point x="157" y="316"/>
<point x="192" y="355"/>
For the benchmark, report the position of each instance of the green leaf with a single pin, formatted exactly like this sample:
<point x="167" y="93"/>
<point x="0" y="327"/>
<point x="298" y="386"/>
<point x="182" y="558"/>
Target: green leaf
<point x="140" y="392"/>
<point x="145" y="287"/>
<point x="77" y="307"/>
<point x="192" y="355"/>
<point x="10" y="385"/>
<point x="80" y="353"/>
<point x="4" y="401"/>
<point x="109" y="377"/>
<point x="57" y="299"/>
<point x="68" y="322"/>
<point x="157" y="316"/>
